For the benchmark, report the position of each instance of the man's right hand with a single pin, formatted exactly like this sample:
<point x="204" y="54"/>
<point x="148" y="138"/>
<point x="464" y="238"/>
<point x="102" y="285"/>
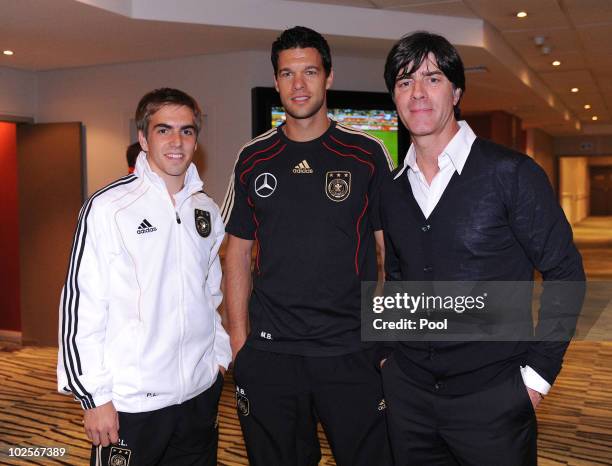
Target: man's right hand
<point x="102" y="424"/>
<point x="236" y="344"/>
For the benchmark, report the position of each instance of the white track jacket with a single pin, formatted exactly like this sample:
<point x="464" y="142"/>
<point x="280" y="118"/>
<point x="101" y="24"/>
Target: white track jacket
<point x="138" y="314"/>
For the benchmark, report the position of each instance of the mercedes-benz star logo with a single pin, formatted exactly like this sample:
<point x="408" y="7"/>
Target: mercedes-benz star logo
<point x="265" y="184"/>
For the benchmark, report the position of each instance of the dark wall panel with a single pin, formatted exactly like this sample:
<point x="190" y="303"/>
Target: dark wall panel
<point x="500" y="127"/>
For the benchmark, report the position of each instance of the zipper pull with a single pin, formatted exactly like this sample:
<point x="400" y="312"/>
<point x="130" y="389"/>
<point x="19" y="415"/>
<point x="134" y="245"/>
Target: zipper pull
<point x="178" y="219"/>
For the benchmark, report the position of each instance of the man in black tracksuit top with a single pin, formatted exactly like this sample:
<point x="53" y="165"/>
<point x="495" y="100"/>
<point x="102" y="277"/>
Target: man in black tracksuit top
<point x="306" y="196"/>
<point x="465" y="209"/>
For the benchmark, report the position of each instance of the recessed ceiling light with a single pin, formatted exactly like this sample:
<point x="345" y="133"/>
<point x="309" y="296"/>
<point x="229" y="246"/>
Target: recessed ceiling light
<point x="587" y="106"/>
<point x="521" y="14"/>
<point x="556" y="63"/>
<point x="8" y="52"/>
<point x="594" y="118"/>
<point x="574" y="89"/>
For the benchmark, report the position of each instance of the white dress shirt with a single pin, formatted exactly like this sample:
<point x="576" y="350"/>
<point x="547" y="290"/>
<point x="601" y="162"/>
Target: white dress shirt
<point x="451" y="160"/>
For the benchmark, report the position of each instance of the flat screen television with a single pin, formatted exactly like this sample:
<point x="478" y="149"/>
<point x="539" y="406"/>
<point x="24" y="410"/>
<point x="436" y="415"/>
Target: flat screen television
<point x="372" y="112"/>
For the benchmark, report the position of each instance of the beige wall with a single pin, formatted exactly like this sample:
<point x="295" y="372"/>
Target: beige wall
<point x="574" y="187"/>
<point x="18" y="93"/>
<point x="104" y="99"/>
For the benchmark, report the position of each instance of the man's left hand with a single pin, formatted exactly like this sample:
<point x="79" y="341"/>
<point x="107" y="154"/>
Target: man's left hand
<point x="534" y="396"/>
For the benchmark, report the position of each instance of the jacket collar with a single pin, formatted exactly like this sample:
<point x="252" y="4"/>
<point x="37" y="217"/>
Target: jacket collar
<point x="192" y="185"/>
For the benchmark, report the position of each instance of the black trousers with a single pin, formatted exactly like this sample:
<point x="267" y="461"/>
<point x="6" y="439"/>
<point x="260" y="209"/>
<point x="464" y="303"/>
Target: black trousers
<point x="178" y="435"/>
<point x="494" y="426"/>
<point x="280" y="397"/>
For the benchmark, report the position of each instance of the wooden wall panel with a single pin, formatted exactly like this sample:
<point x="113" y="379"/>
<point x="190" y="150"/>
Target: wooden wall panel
<point x="50" y="196"/>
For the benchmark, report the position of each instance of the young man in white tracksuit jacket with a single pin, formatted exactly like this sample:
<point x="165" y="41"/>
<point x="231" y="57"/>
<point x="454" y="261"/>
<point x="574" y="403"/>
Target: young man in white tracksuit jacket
<point x="141" y="342"/>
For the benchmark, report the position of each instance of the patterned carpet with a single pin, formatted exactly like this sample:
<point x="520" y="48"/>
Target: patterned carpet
<point x="575" y="420"/>
<point x="33" y="414"/>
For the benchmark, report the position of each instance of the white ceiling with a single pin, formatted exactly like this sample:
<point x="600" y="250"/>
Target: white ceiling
<point x="54" y="34"/>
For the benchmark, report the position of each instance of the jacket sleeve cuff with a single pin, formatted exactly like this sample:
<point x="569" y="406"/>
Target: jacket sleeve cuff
<point x="100" y="399"/>
<point x="222" y="349"/>
<point x="534" y="381"/>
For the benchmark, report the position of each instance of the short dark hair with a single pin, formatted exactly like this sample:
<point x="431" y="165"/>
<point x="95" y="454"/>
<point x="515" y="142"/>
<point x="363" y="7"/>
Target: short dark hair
<point x="413" y="49"/>
<point x="300" y="37"/>
<point x="156" y="99"/>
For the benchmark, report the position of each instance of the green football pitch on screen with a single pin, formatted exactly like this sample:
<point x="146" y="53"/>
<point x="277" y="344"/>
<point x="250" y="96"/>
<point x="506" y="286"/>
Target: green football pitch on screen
<point x="389" y="139"/>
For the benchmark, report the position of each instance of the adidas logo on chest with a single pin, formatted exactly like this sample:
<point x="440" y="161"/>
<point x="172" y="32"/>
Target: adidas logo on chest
<point x="145" y="227"/>
<point x="302" y="167"/>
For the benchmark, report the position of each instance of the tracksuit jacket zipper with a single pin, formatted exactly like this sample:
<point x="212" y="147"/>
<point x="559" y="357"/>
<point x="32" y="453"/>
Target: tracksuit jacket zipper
<point x="181" y="307"/>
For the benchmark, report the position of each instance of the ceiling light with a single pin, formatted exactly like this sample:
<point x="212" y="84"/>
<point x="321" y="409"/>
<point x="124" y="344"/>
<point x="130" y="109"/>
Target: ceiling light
<point x="556" y="63"/>
<point x="546" y="49"/>
<point x="521" y="14"/>
<point x="539" y="40"/>
<point x="594" y="118"/>
<point x="8" y="52"/>
<point x="574" y="89"/>
<point x="587" y="106"/>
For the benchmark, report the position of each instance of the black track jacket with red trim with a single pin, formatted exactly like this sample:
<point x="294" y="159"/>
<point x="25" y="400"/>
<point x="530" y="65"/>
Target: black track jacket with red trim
<point x="312" y="209"/>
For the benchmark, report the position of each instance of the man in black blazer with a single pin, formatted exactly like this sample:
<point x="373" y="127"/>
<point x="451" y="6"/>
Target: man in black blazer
<point x="465" y="209"/>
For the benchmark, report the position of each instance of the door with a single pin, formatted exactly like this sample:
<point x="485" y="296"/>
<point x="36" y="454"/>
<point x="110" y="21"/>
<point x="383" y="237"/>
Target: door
<point x="601" y="190"/>
<point x="50" y="174"/>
